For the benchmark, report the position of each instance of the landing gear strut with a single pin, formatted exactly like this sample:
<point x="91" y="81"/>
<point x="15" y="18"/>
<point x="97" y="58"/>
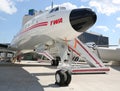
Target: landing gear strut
<point x="63" y="78"/>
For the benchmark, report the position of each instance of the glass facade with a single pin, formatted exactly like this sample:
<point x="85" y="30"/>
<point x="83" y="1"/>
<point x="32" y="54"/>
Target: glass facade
<point x="99" y="40"/>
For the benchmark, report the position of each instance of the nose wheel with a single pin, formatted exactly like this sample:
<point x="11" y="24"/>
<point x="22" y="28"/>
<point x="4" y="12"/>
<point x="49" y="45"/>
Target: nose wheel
<point x="63" y="78"/>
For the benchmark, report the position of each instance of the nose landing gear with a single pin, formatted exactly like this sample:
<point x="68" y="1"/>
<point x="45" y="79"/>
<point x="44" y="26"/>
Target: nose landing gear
<point x="63" y="78"/>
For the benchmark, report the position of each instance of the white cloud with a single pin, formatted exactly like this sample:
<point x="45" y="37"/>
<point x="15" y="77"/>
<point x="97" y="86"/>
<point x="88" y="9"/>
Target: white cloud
<point x="103" y="28"/>
<point x="2" y="18"/>
<point x="106" y="7"/>
<point x="118" y="26"/>
<point x="68" y="5"/>
<point x="118" y="19"/>
<point x="113" y="31"/>
<point x="84" y="7"/>
<point x="7" y="6"/>
<point x="21" y="0"/>
<point x="84" y="0"/>
<point x="116" y="1"/>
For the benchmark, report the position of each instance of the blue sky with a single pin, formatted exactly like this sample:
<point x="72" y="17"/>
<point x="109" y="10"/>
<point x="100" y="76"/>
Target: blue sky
<point x="108" y="13"/>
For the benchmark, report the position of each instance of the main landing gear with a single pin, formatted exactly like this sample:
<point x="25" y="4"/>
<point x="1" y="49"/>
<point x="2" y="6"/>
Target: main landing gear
<point x="55" y="62"/>
<point x="63" y="77"/>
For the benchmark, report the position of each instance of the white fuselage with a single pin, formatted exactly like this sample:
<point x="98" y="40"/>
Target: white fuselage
<point x="109" y="54"/>
<point x="45" y="27"/>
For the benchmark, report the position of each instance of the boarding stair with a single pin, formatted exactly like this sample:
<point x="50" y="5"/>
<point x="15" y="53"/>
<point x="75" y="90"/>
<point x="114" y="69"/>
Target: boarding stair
<point x="94" y="63"/>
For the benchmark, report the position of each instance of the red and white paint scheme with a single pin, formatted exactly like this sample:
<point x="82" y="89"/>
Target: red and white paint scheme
<point x="56" y="24"/>
<point x="52" y="33"/>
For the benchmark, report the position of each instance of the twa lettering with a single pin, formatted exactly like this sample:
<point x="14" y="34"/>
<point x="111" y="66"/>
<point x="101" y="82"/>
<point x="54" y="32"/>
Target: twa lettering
<point x="54" y="22"/>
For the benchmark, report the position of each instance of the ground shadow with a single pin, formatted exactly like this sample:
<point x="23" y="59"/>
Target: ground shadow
<point x="27" y="65"/>
<point x="17" y="79"/>
<point x="43" y="74"/>
<point x="51" y="85"/>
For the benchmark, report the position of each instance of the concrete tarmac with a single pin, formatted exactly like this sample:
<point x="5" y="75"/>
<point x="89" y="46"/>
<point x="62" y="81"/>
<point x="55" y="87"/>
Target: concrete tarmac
<point x="33" y="76"/>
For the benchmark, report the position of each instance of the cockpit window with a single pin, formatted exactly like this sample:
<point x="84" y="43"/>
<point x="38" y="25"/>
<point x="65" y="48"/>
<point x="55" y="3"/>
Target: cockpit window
<point x="51" y="10"/>
<point x="54" y="10"/>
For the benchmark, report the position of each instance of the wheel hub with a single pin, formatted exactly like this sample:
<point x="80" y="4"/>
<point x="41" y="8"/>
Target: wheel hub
<point x="57" y="78"/>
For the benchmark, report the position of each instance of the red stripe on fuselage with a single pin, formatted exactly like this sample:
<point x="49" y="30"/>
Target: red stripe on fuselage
<point x="34" y="26"/>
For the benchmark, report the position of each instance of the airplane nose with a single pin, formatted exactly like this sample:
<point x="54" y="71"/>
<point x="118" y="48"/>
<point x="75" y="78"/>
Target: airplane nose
<point x="82" y="19"/>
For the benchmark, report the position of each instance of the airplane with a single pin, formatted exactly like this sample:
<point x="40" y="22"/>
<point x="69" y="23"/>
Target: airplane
<point x="109" y="54"/>
<point x="106" y="52"/>
<point x="54" y="28"/>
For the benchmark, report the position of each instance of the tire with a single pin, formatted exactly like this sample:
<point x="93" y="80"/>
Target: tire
<point x="63" y="78"/>
<point x="58" y="58"/>
<point x="52" y="62"/>
<point x="55" y="62"/>
<point x="76" y="59"/>
<point x="69" y="78"/>
<point x="60" y="77"/>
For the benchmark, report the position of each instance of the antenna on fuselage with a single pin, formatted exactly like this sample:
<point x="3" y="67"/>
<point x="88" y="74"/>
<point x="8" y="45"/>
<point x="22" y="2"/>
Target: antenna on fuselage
<point x="119" y="42"/>
<point x="52" y="4"/>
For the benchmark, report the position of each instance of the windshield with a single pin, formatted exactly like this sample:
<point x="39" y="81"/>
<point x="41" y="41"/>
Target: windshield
<point x="54" y="10"/>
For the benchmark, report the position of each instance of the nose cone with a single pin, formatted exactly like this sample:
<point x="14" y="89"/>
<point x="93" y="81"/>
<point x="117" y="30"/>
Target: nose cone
<point x="82" y="19"/>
